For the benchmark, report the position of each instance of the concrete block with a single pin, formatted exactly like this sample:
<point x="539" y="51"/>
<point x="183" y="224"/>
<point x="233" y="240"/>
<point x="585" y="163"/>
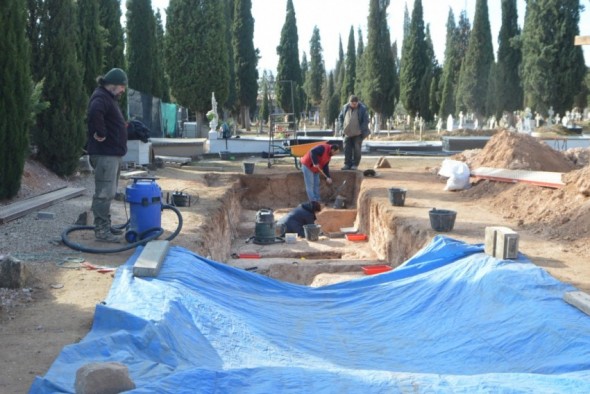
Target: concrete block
<point x="45" y="215"/>
<point x="506" y="244"/>
<point x="501" y="242"/>
<point x="490" y="240"/>
<point x="579" y="299"/>
<point x="151" y="258"/>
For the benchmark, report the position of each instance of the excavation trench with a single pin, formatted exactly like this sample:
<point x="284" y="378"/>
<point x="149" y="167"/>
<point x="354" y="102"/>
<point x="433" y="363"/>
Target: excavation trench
<point x="225" y="231"/>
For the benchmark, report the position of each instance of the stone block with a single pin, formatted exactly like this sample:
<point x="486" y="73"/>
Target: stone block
<point x="13" y="272"/>
<point x="103" y="378"/>
<point x="579" y="299"/>
<point x="151" y="258"/>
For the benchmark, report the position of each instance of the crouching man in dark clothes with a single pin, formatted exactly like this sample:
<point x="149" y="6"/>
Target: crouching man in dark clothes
<point x="107" y="144"/>
<point x="294" y="221"/>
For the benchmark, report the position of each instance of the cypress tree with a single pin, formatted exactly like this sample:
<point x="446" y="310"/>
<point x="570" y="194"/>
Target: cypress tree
<point x="265" y="107"/>
<point x="396" y="87"/>
<point x="553" y="68"/>
<point x="508" y="89"/>
<point x="15" y="93"/>
<point x="231" y="104"/>
<point x="91" y="43"/>
<point x="317" y="69"/>
<point x="350" y="68"/>
<point x="114" y="45"/>
<point x="62" y="132"/>
<point x="161" y="88"/>
<point x="245" y="59"/>
<point x="449" y="76"/>
<point x="414" y="61"/>
<point x="141" y="45"/>
<point x="304" y="78"/>
<point x="288" y="68"/>
<point x="110" y="20"/>
<point x="35" y="11"/>
<point x="360" y="66"/>
<point x="379" y="85"/>
<point x="475" y="71"/>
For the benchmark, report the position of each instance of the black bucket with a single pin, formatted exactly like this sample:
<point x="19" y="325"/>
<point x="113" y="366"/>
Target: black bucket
<point x="340" y="202"/>
<point x="225" y="155"/>
<point x="248" y="168"/>
<point x="397" y="196"/>
<point x="312" y="231"/>
<point x="180" y="199"/>
<point x="442" y="220"/>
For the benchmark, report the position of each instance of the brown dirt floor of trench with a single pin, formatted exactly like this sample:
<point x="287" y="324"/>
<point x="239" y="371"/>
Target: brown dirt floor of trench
<point x="553" y="224"/>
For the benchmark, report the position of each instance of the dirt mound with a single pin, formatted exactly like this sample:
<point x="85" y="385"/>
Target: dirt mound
<point x="517" y="151"/>
<point x="36" y="180"/>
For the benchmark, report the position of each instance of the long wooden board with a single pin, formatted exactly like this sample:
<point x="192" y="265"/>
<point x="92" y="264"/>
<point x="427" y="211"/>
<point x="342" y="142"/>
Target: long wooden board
<point x="21" y="208"/>
<point x="582" y="40"/>
<point x="539" y="178"/>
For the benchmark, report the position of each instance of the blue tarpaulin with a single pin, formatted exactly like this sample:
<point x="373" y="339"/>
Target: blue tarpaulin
<point x="450" y="319"/>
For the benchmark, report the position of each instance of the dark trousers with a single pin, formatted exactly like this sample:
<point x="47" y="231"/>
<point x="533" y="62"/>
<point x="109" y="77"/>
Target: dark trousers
<point x="352" y="150"/>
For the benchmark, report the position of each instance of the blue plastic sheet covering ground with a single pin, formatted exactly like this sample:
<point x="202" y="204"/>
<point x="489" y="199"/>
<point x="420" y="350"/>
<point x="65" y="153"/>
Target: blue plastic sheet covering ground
<point x="450" y="319"/>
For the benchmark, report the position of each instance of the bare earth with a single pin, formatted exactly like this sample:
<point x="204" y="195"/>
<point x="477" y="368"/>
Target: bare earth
<point x="57" y="307"/>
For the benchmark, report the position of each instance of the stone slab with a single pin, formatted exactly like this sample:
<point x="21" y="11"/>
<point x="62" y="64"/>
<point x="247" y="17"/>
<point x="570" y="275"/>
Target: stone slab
<point x="151" y="258"/>
<point x="579" y="299"/>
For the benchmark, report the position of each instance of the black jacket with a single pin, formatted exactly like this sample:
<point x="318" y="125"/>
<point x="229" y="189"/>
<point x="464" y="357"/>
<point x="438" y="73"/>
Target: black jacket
<point x="106" y="120"/>
<point x="298" y="217"/>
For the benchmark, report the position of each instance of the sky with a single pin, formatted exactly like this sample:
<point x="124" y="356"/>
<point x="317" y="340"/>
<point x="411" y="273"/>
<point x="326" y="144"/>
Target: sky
<point x="334" y="18"/>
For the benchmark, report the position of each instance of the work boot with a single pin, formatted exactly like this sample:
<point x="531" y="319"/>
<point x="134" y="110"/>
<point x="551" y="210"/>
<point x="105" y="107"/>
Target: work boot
<point x="117" y="230"/>
<point x="103" y="234"/>
<point x="114" y="230"/>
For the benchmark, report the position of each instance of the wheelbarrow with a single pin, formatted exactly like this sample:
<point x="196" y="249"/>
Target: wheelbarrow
<point x="298" y="151"/>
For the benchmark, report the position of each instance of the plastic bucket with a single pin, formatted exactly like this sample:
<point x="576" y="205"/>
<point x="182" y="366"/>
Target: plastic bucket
<point x="397" y="196"/>
<point x="224" y="155"/>
<point x="248" y="168"/>
<point x="340" y="202"/>
<point x="442" y="220"/>
<point x="312" y="231"/>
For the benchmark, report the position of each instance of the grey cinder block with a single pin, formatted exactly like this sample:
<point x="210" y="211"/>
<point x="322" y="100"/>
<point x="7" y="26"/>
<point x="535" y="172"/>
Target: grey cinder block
<point x="151" y="258"/>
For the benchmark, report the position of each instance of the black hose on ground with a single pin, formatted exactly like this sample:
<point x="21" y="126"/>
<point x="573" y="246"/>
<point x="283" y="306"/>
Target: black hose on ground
<point x="157" y="231"/>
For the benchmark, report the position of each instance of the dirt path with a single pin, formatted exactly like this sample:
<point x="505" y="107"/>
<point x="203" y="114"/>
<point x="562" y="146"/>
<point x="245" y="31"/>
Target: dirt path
<point x="33" y="332"/>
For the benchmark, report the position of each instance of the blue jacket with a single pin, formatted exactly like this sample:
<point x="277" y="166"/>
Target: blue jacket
<point x="298" y="217"/>
<point x="106" y="120"/>
<point x="363" y="118"/>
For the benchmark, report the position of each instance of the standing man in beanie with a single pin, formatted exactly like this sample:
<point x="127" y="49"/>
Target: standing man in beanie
<point x="314" y="162"/>
<point x="107" y="144"/>
<point x="354" y="124"/>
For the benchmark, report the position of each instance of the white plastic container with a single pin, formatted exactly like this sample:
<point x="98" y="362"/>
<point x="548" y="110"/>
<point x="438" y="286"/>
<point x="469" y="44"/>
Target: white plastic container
<point x="290" y="238"/>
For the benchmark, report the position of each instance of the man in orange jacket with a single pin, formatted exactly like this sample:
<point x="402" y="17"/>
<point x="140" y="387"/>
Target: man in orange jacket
<point x="314" y="163"/>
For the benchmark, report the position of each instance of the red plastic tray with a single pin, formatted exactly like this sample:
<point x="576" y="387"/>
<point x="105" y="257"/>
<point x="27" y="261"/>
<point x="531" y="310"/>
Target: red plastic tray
<point x="356" y="237"/>
<point x="375" y="269"/>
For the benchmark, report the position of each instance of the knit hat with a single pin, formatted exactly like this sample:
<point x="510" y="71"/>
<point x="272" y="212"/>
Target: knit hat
<point x="115" y="77"/>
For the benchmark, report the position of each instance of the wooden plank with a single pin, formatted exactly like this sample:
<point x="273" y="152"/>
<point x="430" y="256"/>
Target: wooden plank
<point x="582" y="40"/>
<point x="174" y="159"/>
<point x="131" y="174"/>
<point x="21" y="208"/>
<point x="538" y="178"/>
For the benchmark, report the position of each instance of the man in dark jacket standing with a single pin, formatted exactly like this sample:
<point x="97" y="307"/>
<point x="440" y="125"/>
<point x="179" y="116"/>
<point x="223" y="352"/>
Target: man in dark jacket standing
<point x="107" y="144"/>
<point x="354" y="124"/>
<point x="294" y="221"/>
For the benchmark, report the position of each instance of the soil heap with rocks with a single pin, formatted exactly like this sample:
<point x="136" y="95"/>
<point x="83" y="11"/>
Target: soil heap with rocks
<point x="562" y="213"/>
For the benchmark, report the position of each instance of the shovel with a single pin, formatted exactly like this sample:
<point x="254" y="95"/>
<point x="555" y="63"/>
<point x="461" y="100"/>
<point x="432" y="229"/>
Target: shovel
<point x="338" y="190"/>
